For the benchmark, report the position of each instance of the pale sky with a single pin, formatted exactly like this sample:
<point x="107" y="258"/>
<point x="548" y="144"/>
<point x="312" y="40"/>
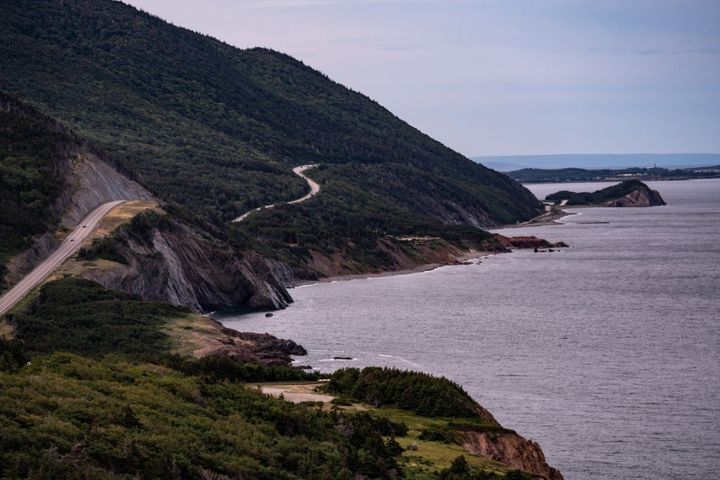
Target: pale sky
<point x="496" y="77"/>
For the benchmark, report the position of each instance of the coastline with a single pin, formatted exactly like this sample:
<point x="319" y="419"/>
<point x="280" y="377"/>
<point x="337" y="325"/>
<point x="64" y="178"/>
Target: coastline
<point x="462" y="259"/>
<point x="544" y="219"/>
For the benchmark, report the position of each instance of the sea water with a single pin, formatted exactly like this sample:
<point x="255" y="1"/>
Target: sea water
<point x="606" y="353"/>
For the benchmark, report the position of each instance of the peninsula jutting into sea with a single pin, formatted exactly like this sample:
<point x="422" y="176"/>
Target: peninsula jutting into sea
<point x="228" y="251"/>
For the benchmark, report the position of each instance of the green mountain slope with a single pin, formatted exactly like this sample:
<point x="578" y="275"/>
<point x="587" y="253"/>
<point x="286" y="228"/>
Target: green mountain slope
<point x="217" y="129"/>
<point x="32" y="150"/>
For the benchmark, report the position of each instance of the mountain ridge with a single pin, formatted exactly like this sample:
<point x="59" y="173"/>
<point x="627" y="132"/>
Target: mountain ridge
<point x="217" y="129"/>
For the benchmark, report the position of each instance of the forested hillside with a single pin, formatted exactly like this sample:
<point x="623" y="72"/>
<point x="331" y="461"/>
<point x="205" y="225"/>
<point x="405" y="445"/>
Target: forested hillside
<point x="32" y="150"/>
<point x="217" y="129"/>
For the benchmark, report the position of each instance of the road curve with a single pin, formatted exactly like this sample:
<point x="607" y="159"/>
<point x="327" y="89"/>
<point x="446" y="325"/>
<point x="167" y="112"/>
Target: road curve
<point x="66" y="249"/>
<point x="300" y="172"/>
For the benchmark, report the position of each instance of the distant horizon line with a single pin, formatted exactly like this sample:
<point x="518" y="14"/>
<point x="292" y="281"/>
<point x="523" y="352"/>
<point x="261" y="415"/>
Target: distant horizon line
<point x="589" y="154"/>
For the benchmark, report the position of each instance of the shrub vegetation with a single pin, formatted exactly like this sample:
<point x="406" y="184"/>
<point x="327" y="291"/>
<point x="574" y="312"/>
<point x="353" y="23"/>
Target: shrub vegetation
<point x="417" y="392"/>
<point x="32" y="150"/>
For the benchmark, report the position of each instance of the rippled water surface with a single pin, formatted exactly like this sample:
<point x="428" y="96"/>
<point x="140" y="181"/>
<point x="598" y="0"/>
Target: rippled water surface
<point x="608" y="353"/>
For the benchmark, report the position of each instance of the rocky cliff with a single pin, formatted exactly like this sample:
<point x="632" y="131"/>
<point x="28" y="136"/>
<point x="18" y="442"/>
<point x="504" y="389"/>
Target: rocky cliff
<point x="528" y="242"/>
<point x="511" y="450"/>
<point x="630" y="193"/>
<point x="641" y="197"/>
<point x="163" y="258"/>
<point x="181" y="264"/>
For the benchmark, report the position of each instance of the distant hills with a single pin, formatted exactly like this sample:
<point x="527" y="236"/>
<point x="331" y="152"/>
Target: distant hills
<point x="538" y="175"/>
<point x="508" y="163"/>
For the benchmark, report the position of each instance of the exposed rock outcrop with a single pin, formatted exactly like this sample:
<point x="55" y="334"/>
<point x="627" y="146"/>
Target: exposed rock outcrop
<point x="630" y="193"/>
<point x="257" y="347"/>
<point x="642" y="197"/>
<point x="397" y="253"/>
<point x="511" y="450"/>
<point x="96" y="182"/>
<point x="528" y="242"/>
<point x="169" y="260"/>
<point x="202" y="336"/>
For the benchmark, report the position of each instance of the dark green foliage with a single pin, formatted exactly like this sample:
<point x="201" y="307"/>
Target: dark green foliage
<point x="102" y="247"/>
<point x="595" y="198"/>
<point x="80" y="316"/>
<point x="32" y="151"/>
<point x="417" y="392"/>
<point x="139" y="227"/>
<point x="217" y="129"/>
<point x="74" y="418"/>
<point x="461" y="470"/>
<point x="439" y="434"/>
<point x="539" y="175"/>
<point x="12" y="355"/>
<point x="351" y="214"/>
<point x="225" y="369"/>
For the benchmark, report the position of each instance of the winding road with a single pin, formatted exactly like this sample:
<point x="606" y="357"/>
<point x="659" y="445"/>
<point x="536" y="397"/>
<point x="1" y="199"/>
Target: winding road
<point x="300" y="172"/>
<point x="73" y="242"/>
<point x="66" y="249"/>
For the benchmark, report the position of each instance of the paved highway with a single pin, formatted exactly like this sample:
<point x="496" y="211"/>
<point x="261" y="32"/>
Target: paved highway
<point x="300" y="172"/>
<point x="66" y="249"/>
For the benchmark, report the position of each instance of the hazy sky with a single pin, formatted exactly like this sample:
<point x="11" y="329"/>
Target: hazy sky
<point x="503" y="76"/>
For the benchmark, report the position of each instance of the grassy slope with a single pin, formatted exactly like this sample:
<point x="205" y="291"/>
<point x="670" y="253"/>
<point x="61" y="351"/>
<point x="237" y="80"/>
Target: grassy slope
<point x="217" y="129"/>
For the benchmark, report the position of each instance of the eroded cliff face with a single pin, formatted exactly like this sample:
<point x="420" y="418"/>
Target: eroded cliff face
<point x="642" y="197"/>
<point x="511" y="450"/>
<point x="180" y="265"/>
<point x="395" y="254"/>
<point x="168" y="260"/>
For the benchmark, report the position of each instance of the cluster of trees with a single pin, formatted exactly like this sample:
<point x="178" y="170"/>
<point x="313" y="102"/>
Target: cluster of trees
<point x="417" y="392"/>
<point x="32" y="153"/>
<point x="12" y="355"/>
<point x="80" y="316"/>
<point x="129" y="408"/>
<point x="109" y="247"/>
<point x="70" y="417"/>
<point x="217" y="129"/>
<point x="539" y="175"/>
<point x="350" y="215"/>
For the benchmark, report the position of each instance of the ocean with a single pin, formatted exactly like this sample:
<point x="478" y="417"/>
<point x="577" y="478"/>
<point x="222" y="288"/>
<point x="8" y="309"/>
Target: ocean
<point x="607" y="353"/>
